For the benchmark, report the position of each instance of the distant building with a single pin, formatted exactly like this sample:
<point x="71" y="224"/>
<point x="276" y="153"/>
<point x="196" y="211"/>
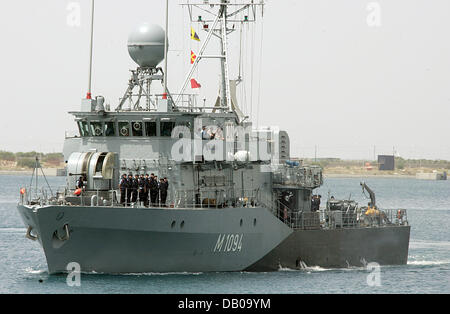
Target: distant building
<point x="386" y="162"/>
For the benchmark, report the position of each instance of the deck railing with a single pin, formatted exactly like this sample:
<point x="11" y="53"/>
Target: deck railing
<point x="304" y="176"/>
<point x="216" y="198"/>
<point x="224" y="198"/>
<point x="194" y="199"/>
<point x="323" y="219"/>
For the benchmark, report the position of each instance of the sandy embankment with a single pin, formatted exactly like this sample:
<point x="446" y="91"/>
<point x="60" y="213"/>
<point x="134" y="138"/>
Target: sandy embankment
<point x="359" y="172"/>
<point x="368" y="175"/>
<point x="49" y="172"/>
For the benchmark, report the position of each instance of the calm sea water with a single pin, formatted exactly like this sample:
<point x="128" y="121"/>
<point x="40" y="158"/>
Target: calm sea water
<point x="23" y="266"/>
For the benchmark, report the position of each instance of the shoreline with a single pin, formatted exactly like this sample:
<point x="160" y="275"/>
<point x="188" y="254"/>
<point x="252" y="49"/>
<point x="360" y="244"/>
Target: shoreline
<point x="49" y="172"/>
<point x="381" y="176"/>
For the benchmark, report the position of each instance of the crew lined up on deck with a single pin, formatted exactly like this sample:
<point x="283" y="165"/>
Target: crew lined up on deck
<point x="146" y="191"/>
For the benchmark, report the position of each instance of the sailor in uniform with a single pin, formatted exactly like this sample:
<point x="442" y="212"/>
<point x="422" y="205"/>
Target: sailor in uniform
<point x="129" y="188"/>
<point x="123" y="189"/>
<point x="80" y="183"/>
<point x="142" y="189"/>
<point x="158" y="196"/>
<point x="153" y="190"/>
<point x="135" y="188"/>
<point x="205" y="134"/>
<point x="163" y="188"/>
<point x="147" y="190"/>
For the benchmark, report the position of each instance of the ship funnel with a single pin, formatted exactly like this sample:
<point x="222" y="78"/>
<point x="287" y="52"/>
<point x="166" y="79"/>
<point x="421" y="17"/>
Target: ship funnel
<point x="146" y="45"/>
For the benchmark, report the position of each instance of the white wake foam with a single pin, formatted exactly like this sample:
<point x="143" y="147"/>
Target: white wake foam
<point x="428" y="263"/>
<point x="304" y="267"/>
<point x="13" y="230"/>
<point x="429" y="244"/>
<point x="163" y="274"/>
<point x="29" y="270"/>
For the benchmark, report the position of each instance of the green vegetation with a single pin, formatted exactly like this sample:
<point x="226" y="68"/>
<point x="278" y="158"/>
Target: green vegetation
<point x="421" y="163"/>
<point x="7" y="156"/>
<point x="28" y="160"/>
<point x="400" y="163"/>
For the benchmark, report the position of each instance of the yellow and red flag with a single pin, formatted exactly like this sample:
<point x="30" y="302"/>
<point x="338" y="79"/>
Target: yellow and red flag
<point x="193" y="57"/>
<point x="194" y="35"/>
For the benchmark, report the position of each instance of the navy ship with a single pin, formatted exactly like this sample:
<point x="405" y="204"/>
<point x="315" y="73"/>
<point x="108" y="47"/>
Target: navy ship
<point x="235" y="199"/>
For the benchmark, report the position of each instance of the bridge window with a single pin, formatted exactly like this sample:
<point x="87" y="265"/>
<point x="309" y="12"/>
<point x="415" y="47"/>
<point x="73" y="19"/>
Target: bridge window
<point x="167" y="128"/>
<point x="109" y="129"/>
<point x="84" y="128"/>
<point x="150" y="129"/>
<point x="186" y="130"/>
<point x="96" y="129"/>
<point x="138" y="129"/>
<point x="124" y="129"/>
<point x="80" y="128"/>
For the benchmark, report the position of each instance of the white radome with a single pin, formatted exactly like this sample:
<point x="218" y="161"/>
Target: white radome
<point x="146" y="45"/>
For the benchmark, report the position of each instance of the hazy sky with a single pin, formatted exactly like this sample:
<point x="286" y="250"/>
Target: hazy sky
<point x="328" y="76"/>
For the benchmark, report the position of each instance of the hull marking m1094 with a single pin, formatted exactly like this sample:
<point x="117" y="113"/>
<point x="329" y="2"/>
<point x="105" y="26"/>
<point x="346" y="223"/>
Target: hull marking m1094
<point x="229" y="243"/>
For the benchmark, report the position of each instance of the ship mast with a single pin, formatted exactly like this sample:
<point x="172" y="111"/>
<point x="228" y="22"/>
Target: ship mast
<point x="226" y="95"/>
<point x="238" y="12"/>
<point x="89" y="93"/>
<point x="166" y="46"/>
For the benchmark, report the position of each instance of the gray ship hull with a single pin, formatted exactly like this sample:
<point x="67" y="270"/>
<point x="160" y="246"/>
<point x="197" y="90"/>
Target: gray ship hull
<point x="136" y="240"/>
<point x="133" y="240"/>
<point x="339" y="248"/>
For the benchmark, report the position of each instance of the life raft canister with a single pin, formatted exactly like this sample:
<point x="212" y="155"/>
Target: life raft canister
<point x="399" y="214"/>
<point x="78" y="192"/>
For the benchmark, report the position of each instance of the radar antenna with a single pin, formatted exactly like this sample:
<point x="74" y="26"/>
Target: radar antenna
<point x="147" y="46"/>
